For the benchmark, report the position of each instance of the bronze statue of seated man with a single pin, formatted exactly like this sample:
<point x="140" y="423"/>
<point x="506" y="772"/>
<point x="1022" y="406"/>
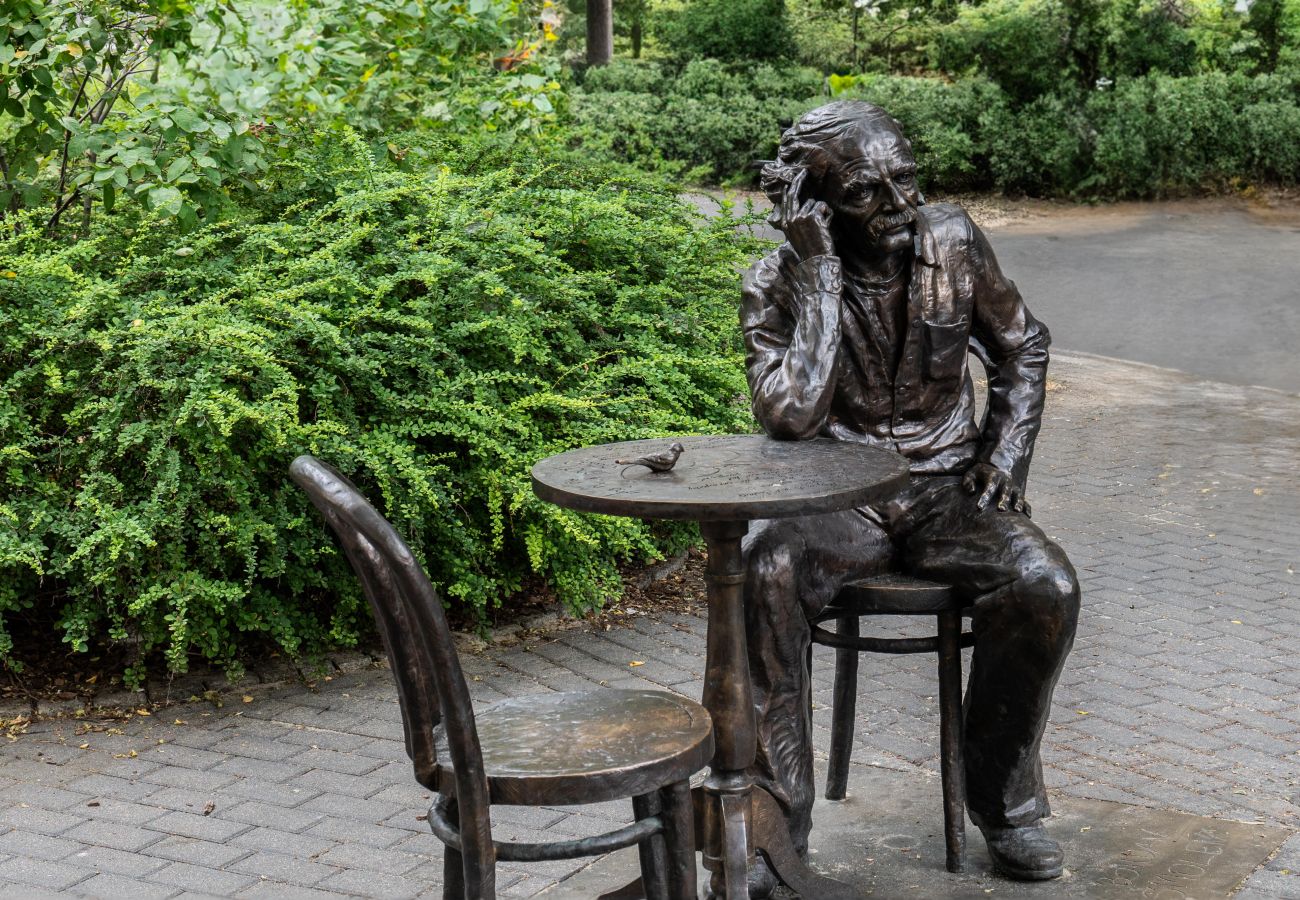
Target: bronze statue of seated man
<point x="858" y="328"/>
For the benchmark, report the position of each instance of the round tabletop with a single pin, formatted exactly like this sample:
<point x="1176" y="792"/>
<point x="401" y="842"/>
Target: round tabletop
<point x="721" y="478"/>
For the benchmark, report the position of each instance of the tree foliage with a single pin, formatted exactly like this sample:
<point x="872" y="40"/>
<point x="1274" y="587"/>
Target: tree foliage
<point x="177" y="103"/>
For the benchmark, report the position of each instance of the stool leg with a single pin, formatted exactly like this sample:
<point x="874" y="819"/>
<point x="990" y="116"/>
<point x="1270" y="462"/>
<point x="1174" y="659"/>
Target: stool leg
<point x="950" y="739"/>
<point x="843" y="712"/>
<point x="679" y="835"/>
<point x="453" y="864"/>
<point x="653" y="855"/>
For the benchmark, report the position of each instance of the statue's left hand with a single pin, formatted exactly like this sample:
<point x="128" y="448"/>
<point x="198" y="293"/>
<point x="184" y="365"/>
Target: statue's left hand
<point x="994" y="486"/>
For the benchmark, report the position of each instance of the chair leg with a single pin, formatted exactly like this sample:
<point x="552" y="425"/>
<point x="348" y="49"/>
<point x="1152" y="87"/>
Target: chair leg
<point x="950" y="739"/>
<point x="453" y="864"/>
<point x="843" y="712"/>
<point x="654" y="855"/>
<point x="679" y="836"/>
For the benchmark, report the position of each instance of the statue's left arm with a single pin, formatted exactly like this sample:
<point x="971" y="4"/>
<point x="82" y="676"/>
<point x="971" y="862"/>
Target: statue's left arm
<point x="1013" y="346"/>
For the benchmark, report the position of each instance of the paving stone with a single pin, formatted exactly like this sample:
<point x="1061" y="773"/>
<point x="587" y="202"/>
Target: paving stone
<point x="199" y="852"/>
<point x="40" y="873"/>
<point x="116" y="862"/>
<point x="281" y="891"/>
<point x="119" y="887"/>
<point x="282" y="868"/>
<point x="31" y="818"/>
<point x="202" y="879"/>
<point x="353" y="856"/>
<point x="267" y="815"/>
<point x="36" y="846"/>
<point x="373" y="884"/>
<point x="305" y="846"/>
<point x="205" y="828"/>
<point x="114" y="835"/>
<point x="101" y="786"/>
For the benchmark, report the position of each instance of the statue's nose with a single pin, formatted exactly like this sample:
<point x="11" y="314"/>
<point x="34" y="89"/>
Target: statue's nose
<point x="898" y="197"/>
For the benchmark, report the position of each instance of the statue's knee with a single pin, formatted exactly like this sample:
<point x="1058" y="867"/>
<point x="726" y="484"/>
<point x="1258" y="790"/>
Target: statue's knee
<point x="770" y="569"/>
<point x="1050" y="589"/>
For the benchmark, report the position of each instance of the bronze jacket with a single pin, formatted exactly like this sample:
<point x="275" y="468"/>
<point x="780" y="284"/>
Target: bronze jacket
<point x="817" y="365"/>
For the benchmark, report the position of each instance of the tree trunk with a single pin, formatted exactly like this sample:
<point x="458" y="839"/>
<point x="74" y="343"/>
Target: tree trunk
<point x="600" y="32"/>
<point x="636" y="40"/>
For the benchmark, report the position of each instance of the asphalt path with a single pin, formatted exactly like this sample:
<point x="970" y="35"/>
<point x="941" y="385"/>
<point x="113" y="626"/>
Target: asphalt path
<point x="1208" y="287"/>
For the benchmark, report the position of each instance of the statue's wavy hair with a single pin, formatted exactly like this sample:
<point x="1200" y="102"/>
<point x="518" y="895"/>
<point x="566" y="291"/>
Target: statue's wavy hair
<point x="805" y="145"/>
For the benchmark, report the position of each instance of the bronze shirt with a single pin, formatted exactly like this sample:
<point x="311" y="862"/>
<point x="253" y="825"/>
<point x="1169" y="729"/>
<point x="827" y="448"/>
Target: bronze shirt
<point x="821" y="372"/>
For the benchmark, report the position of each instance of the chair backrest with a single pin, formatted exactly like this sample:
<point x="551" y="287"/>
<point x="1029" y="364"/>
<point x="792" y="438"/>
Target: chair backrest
<point x="431" y="686"/>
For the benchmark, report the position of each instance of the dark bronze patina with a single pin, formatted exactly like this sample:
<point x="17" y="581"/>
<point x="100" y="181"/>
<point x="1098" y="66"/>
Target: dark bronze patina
<point x="554" y="749"/>
<point x="722" y="482"/>
<point x="900" y="595"/>
<point x="858" y="329"/>
<point x="656" y="462"/>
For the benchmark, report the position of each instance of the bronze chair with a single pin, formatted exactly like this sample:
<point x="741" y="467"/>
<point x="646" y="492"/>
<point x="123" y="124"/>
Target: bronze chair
<point x="900" y="595"/>
<point x="549" y="749"/>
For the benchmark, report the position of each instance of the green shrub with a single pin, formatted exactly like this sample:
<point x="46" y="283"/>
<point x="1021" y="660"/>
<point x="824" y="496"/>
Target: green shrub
<point x="432" y="334"/>
<point x="1040" y="149"/>
<point x="732" y="30"/>
<point x="626" y="75"/>
<point x="1021" y="45"/>
<point x="1160" y="135"/>
<point x="709" y="122"/>
<point x="943" y="121"/>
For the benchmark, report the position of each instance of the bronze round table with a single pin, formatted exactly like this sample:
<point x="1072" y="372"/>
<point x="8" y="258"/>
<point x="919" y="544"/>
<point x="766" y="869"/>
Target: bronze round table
<point x="723" y="482"/>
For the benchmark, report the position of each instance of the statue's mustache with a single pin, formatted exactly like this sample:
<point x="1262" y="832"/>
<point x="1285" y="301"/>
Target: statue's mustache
<point x="889" y="221"/>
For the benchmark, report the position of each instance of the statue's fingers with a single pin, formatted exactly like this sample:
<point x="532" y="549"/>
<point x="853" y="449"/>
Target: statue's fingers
<point x="969" y="482"/>
<point x="990" y="489"/>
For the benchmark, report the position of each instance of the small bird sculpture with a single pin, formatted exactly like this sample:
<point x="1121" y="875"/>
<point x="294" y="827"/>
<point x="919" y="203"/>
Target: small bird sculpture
<point x="656" y="462"/>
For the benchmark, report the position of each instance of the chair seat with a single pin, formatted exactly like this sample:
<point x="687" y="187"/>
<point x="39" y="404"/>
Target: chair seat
<point x="892" y="594"/>
<point x="586" y="746"/>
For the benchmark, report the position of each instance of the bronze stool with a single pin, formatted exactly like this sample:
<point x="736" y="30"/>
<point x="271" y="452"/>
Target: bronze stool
<point x="900" y="595"/>
<point x="541" y="750"/>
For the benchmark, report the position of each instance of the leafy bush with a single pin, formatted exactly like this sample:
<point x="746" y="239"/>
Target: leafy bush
<point x="431" y="333"/>
<point x="1145" y="136"/>
<point x="1040" y="149"/>
<point x="1021" y="45"/>
<point x="1160" y="135"/>
<point x="942" y="119"/>
<point x="730" y="30"/>
<point x="708" y="120"/>
<point x="176" y="104"/>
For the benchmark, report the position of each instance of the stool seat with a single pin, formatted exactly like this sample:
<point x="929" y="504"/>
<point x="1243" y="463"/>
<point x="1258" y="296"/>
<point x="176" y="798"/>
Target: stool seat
<point x="587" y="746"/>
<point x="893" y="594"/>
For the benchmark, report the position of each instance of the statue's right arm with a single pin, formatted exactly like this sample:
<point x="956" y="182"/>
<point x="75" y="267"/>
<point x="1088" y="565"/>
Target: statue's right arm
<point x="790" y="313"/>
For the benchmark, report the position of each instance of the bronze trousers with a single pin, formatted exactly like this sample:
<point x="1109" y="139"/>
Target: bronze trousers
<point x="1024" y="600"/>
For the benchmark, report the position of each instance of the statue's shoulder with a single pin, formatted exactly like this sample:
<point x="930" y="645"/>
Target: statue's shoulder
<point x="949" y="222"/>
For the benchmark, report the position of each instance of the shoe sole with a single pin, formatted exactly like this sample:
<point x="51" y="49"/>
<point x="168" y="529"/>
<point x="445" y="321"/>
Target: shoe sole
<point x="1028" y="874"/>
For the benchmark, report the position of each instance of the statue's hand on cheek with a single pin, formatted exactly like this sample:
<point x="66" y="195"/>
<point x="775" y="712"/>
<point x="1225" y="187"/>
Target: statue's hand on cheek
<point x="806" y="223"/>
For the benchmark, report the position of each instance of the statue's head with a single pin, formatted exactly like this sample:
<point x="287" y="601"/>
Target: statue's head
<point x="859" y="163"/>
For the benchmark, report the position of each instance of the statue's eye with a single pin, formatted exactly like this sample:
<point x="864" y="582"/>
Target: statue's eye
<point x="904" y="177"/>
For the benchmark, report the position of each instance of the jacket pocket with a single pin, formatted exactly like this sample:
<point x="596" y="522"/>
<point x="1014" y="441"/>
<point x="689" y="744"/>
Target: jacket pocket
<point x="945" y="349"/>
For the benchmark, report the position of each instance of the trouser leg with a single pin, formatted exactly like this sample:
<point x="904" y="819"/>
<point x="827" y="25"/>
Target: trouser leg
<point x="793" y="569"/>
<point x="1025" y="605"/>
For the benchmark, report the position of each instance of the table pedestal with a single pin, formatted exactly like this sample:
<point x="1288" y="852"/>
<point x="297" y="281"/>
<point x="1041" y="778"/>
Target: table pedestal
<point x="735" y="820"/>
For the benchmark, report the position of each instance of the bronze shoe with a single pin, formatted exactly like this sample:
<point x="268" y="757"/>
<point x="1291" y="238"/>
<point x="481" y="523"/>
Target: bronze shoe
<point x="1025" y="853"/>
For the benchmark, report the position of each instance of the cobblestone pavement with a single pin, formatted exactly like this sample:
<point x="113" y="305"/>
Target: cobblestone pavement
<point x="1177" y="499"/>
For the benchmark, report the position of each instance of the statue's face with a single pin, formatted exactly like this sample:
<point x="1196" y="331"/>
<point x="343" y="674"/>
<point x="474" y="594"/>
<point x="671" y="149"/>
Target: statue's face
<point x="872" y="190"/>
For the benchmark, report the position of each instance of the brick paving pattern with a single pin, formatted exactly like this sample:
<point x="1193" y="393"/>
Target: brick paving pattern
<point x="1177" y="500"/>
